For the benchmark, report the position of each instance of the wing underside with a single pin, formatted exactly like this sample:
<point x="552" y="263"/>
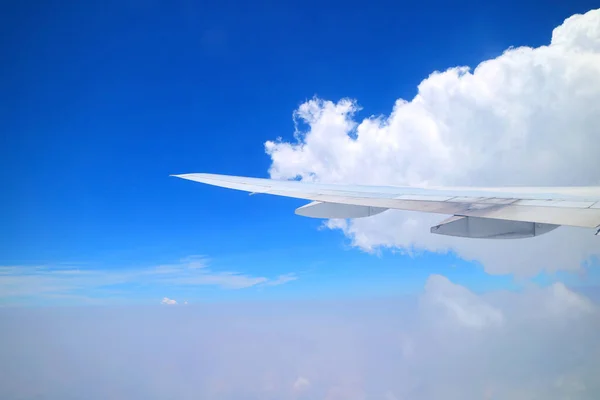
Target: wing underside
<point x="546" y="207"/>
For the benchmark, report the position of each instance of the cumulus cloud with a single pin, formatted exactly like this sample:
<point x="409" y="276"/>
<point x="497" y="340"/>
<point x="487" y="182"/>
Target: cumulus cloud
<point x="168" y="301"/>
<point x="446" y="343"/>
<point x="301" y="384"/>
<point x="528" y="117"/>
<point x="458" y="303"/>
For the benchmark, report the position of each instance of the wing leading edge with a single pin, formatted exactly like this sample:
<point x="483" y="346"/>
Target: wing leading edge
<point x="476" y="209"/>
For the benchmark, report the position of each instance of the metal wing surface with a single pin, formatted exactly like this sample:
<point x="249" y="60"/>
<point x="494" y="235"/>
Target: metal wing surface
<point x="506" y="212"/>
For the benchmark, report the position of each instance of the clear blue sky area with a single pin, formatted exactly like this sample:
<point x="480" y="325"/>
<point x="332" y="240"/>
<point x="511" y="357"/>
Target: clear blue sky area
<point x="102" y="101"/>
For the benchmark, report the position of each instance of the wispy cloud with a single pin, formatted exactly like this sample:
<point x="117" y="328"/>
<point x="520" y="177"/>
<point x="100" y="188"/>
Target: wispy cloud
<point x="281" y="280"/>
<point x="24" y="283"/>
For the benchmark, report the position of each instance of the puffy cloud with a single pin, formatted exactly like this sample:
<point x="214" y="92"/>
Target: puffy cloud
<point x="528" y="117"/>
<point x="301" y="384"/>
<point x="565" y="301"/>
<point x="458" y="303"/>
<point x="449" y="343"/>
<point x="168" y="301"/>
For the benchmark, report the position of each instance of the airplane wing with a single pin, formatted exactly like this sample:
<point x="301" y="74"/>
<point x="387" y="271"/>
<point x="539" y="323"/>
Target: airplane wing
<point x="491" y="213"/>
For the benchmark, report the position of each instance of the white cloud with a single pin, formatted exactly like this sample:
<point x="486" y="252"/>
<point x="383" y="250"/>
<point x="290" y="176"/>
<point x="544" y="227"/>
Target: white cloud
<point x="360" y="349"/>
<point x="528" y="117"/>
<point x="281" y="279"/>
<point x="561" y="301"/>
<point x="228" y="280"/>
<point x="301" y="384"/>
<point x="168" y="301"/>
<point x="459" y="304"/>
<point x="24" y="283"/>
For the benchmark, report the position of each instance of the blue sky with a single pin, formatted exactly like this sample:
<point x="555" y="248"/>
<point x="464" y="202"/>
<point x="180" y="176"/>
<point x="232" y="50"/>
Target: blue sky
<point x="102" y="102"/>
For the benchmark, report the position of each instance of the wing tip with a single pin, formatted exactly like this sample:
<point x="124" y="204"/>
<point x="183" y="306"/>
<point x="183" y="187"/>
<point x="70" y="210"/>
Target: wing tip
<point x="186" y="176"/>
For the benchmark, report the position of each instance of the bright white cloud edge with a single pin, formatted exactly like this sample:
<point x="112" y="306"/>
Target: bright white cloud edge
<point x="168" y="301"/>
<point x="528" y="117"/>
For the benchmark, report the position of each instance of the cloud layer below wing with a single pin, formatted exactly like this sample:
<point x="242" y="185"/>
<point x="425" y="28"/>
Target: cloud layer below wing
<point x="447" y="343"/>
